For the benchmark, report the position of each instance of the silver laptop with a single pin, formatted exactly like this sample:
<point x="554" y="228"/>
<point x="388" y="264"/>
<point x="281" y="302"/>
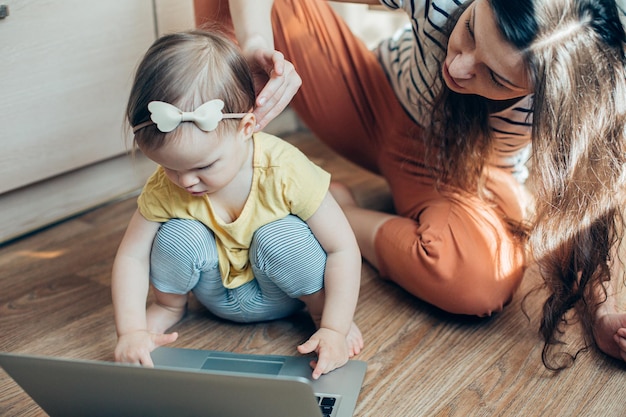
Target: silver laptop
<point x="187" y="382"/>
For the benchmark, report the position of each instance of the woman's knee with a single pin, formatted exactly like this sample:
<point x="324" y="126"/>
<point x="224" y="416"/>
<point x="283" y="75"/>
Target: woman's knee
<point x="452" y="261"/>
<point x="483" y="296"/>
<point x="476" y="290"/>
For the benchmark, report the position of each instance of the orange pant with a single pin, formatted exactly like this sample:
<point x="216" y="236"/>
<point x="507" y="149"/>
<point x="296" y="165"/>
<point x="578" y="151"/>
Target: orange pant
<point x="448" y="249"/>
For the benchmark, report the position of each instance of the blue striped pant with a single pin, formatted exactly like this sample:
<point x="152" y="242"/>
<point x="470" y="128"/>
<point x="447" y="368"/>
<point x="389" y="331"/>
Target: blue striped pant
<point x="287" y="260"/>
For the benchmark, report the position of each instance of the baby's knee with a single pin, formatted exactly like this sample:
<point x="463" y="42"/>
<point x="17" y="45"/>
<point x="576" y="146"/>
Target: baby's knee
<point x="181" y="252"/>
<point x="284" y="242"/>
<point x="286" y="254"/>
<point x="178" y="235"/>
<point x="281" y="231"/>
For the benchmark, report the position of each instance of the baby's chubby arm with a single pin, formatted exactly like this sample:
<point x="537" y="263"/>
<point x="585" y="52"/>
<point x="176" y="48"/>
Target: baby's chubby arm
<point x="337" y="338"/>
<point x="129" y="286"/>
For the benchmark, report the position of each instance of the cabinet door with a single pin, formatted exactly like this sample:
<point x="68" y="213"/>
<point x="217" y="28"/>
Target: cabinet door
<point x="66" y="68"/>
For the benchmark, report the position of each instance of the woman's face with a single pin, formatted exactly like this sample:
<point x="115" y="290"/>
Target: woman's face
<point x="480" y="61"/>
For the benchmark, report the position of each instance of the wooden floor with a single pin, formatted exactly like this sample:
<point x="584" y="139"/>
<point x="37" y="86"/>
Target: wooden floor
<point x="55" y="300"/>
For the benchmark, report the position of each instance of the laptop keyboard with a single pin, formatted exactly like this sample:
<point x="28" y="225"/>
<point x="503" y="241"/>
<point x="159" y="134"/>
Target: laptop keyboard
<point x="327" y="404"/>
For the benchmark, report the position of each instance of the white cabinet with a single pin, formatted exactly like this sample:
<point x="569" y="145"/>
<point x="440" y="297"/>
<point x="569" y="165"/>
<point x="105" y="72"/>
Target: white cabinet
<point x="65" y="69"/>
<point x="65" y="73"/>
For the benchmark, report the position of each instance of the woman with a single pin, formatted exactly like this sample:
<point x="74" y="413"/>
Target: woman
<point x="446" y="110"/>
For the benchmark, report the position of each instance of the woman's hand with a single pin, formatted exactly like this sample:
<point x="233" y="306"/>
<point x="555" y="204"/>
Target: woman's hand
<point x="276" y="82"/>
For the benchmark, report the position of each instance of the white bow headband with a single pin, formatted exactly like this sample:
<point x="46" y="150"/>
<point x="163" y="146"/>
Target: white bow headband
<point x="167" y="117"/>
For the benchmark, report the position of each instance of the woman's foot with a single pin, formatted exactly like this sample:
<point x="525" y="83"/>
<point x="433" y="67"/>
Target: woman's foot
<point x="610" y="334"/>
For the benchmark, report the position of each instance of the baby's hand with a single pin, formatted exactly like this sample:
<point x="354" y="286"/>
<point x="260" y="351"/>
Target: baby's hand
<point x="331" y="348"/>
<point x="135" y="347"/>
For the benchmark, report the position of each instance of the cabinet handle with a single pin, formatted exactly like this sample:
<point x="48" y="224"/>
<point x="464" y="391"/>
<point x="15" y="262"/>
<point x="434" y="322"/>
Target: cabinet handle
<point x="4" y="11"/>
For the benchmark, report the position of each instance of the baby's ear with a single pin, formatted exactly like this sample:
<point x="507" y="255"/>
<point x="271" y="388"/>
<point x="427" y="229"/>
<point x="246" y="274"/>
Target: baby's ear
<point x="247" y="124"/>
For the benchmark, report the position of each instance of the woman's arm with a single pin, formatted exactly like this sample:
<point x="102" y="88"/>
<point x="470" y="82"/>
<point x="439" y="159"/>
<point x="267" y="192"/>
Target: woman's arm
<point x="252" y="22"/>
<point x="276" y="79"/>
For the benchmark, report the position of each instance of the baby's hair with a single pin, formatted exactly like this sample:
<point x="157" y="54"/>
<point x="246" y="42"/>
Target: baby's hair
<point x="187" y="69"/>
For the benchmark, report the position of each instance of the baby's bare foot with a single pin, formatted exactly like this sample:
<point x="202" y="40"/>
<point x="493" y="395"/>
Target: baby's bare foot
<point x="354" y="340"/>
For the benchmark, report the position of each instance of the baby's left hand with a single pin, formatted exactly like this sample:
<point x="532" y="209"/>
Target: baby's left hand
<point x="331" y="348"/>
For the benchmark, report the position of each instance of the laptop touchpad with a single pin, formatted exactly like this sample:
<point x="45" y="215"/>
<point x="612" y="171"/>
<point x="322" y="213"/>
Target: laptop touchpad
<point x="253" y="366"/>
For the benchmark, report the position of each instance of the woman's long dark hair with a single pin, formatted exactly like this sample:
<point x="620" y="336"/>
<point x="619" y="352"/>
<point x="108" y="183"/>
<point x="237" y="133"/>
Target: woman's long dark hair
<point x="579" y="153"/>
<point x="459" y="138"/>
<point x="457" y="150"/>
<point x="574" y="50"/>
